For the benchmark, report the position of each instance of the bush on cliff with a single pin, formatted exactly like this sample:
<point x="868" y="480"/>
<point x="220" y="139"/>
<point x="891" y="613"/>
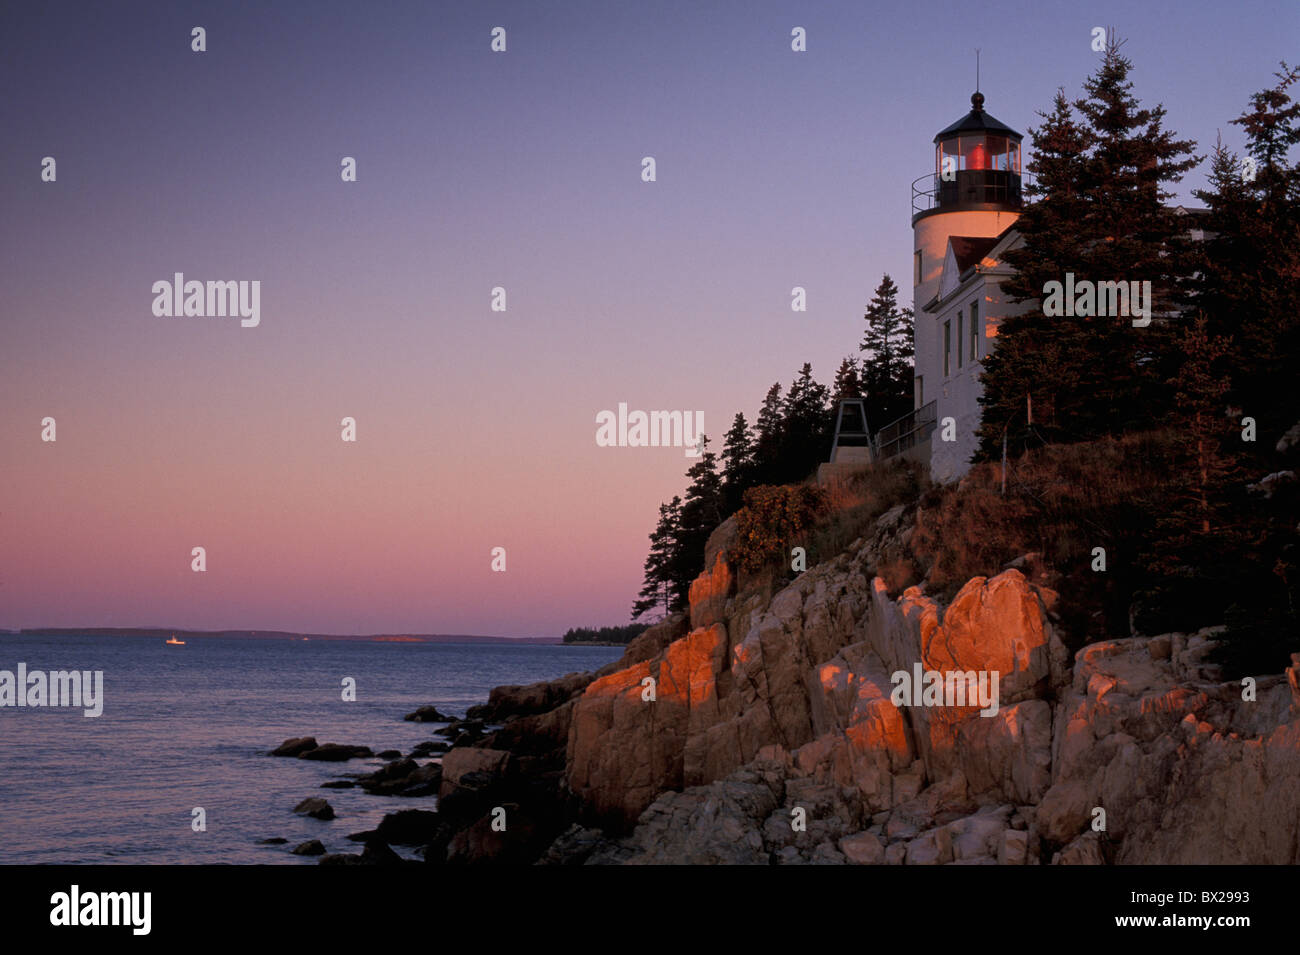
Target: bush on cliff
<point x="774" y="520"/>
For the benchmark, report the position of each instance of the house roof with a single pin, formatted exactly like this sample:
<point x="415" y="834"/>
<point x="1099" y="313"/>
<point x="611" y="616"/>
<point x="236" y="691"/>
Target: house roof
<point x="977" y="121"/>
<point x="970" y="250"/>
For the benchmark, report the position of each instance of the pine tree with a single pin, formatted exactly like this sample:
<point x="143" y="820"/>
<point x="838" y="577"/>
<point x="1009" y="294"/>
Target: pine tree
<point x="1027" y="369"/>
<point x="737" y="464"/>
<point x="1248" y="279"/>
<point x="1248" y="286"/>
<point x="767" y="437"/>
<point x="805" y="428"/>
<point x="701" y="514"/>
<point x="847" y="383"/>
<point x="1103" y="217"/>
<point x="657" y="589"/>
<point x="886" y="376"/>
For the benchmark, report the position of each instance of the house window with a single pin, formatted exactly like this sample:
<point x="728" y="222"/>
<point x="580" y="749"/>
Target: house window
<point x="920" y="390"/>
<point x="916" y="267"/>
<point x="947" y="347"/>
<point x="959" y="339"/>
<point x="974" y="331"/>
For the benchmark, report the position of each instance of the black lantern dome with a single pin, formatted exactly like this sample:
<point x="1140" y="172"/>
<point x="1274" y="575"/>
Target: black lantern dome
<point x="976" y="164"/>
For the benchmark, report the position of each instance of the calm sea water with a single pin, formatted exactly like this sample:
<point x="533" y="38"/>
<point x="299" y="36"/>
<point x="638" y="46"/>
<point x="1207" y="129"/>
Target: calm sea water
<point x="190" y="726"/>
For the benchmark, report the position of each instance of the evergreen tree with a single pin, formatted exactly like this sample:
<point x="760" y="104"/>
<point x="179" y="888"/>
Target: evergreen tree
<point x="767" y="437"/>
<point x="1248" y="277"/>
<point x="1103" y="217"/>
<point x="701" y="514"/>
<point x="805" y="428"/>
<point x="657" y="589"/>
<point x="847" y="383"/>
<point x="886" y="377"/>
<point x="737" y="464"/>
<point x="1027" y="368"/>
<point x="1248" y="286"/>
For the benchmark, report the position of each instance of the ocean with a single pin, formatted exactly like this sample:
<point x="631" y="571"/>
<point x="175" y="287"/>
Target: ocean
<point x="186" y="727"/>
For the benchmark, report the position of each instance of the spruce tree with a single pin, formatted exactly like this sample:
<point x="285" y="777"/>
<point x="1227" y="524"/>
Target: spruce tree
<point x="847" y="383"/>
<point x="1103" y="217"/>
<point x="886" y="377"/>
<point x="701" y="514"/>
<point x="1248" y="286"/>
<point x="657" y="589"/>
<point x="1248" y="276"/>
<point x="737" y="464"/>
<point x="767" y="437"/>
<point x="805" y="428"/>
<point x="1027" y="368"/>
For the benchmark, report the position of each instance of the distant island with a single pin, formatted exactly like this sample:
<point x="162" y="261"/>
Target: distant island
<point x="163" y="632"/>
<point x="612" y="636"/>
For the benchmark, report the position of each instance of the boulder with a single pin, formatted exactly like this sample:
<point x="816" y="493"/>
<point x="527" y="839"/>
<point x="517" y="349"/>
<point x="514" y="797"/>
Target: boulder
<point x="863" y="848"/>
<point x="295" y="746"/>
<point x="427" y="714"/>
<point x="409" y="827"/>
<point x="464" y="761"/>
<point x="315" y="807"/>
<point x="403" y="777"/>
<point x="313" y="847"/>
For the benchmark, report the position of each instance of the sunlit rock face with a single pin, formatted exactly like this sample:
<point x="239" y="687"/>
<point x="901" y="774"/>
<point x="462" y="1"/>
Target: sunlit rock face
<point x="625" y="748"/>
<point x="776" y="706"/>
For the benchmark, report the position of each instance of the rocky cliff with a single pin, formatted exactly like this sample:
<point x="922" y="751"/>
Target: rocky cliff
<point x="762" y="730"/>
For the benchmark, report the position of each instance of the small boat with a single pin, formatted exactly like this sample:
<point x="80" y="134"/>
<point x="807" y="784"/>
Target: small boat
<point x="173" y="642"/>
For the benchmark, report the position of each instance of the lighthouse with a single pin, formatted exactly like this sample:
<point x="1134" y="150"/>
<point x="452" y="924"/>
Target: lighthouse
<point x="962" y="218"/>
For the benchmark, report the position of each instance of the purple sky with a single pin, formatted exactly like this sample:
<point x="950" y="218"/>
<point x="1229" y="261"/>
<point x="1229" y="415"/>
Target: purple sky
<point x="476" y="428"/>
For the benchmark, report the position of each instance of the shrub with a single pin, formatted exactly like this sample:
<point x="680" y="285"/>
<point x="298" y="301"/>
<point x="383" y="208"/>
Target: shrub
<point x="773" y="520"/>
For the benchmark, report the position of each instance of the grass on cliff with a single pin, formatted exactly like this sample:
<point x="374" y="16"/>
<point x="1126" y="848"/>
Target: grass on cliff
<point x="855" y="503"/>
<point x="822" y="520"/>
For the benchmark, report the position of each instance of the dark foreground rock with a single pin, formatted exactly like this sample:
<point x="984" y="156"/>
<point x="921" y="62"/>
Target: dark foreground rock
<point x="315" y="807"/>
<point x="337" y="753"/>
<point x="409" y="827"/>
<point x="312" y="848"/>
<point x="295" y="746"/>
<point x="375" y="853"/>
<point x="306" y="747"/>
<point x="463" y="732"/>
<point x="403" y="777"/>
<point x="427" y="714"/>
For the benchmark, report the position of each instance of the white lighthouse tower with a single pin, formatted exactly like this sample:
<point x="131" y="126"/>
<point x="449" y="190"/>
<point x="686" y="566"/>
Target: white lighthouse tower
<point x="962" y="214"/>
